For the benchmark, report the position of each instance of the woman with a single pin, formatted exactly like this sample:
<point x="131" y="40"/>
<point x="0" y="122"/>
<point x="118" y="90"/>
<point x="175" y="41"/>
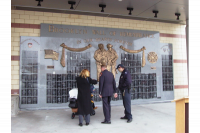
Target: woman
<point x="84" y="96"/>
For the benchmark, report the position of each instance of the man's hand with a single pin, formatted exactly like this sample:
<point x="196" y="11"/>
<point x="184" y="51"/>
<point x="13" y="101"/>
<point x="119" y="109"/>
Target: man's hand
<point x="100" y="96"/>
<point x="115" y="95"/>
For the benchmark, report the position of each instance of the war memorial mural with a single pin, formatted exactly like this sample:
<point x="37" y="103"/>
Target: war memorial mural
<point x="50" y="63"/>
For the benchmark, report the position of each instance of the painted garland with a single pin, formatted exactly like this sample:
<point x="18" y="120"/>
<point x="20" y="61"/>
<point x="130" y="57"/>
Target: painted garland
<point x="136" y="51"/>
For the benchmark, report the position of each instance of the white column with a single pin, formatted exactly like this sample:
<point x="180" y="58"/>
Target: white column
<point x="187" y="50"/>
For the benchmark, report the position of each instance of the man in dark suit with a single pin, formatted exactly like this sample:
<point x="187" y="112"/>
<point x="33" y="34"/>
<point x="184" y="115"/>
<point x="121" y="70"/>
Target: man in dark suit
<point x="107" y="87"/>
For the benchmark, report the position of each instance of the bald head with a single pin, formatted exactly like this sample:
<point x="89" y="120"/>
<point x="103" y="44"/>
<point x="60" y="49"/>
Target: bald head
<point x="103" y="67"/>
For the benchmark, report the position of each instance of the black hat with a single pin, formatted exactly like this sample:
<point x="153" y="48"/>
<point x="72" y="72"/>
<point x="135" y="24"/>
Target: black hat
<point x="120" y="65"/>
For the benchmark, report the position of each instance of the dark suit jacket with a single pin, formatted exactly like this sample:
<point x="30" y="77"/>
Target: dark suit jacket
<point x="107" y="84"/>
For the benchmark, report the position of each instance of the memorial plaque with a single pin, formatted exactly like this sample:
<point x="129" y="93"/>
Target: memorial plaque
<point x="50" y="67"/>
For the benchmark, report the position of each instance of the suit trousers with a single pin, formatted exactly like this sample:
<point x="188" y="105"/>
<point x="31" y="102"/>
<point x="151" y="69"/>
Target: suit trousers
<point x="127" y="103"/>
<point x="106" y="107"/>
<point x="87" y="118"/>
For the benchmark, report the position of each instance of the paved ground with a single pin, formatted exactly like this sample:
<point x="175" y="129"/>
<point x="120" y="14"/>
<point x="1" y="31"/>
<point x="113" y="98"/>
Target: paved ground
<point x="147" y="118"/>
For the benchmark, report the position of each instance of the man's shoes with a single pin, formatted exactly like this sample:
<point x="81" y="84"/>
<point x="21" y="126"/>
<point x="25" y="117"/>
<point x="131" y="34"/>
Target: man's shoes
<point x="106" y="122"/>
<point x="123" y="117"/>
<point x="80" y="124"/>
<point x="87" y="124"/>
<point x="129" y="121"/>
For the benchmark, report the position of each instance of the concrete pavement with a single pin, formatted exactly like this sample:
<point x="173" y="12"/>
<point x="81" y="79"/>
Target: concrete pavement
<point x="147" y="118"/>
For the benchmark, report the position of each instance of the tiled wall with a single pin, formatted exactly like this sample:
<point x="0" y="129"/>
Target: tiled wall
<point x="26" y="23"/>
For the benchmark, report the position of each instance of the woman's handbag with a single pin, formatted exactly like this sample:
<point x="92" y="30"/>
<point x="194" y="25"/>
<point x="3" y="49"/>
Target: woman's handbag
<point x="73" y="103"/>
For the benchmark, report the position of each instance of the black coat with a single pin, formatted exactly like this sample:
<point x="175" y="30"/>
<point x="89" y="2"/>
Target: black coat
<point x="107" y="84"/>
<point x="84" y="95"/>
<point x="124" y="80"/>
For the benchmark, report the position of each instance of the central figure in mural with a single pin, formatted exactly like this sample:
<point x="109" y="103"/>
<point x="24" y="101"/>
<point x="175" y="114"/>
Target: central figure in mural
<point x="104" y="57"/>
<point x="100" y="56"/>
<point x="112" y="58"/>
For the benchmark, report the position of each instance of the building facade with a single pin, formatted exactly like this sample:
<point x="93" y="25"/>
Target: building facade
<point x="28" y="24"/>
